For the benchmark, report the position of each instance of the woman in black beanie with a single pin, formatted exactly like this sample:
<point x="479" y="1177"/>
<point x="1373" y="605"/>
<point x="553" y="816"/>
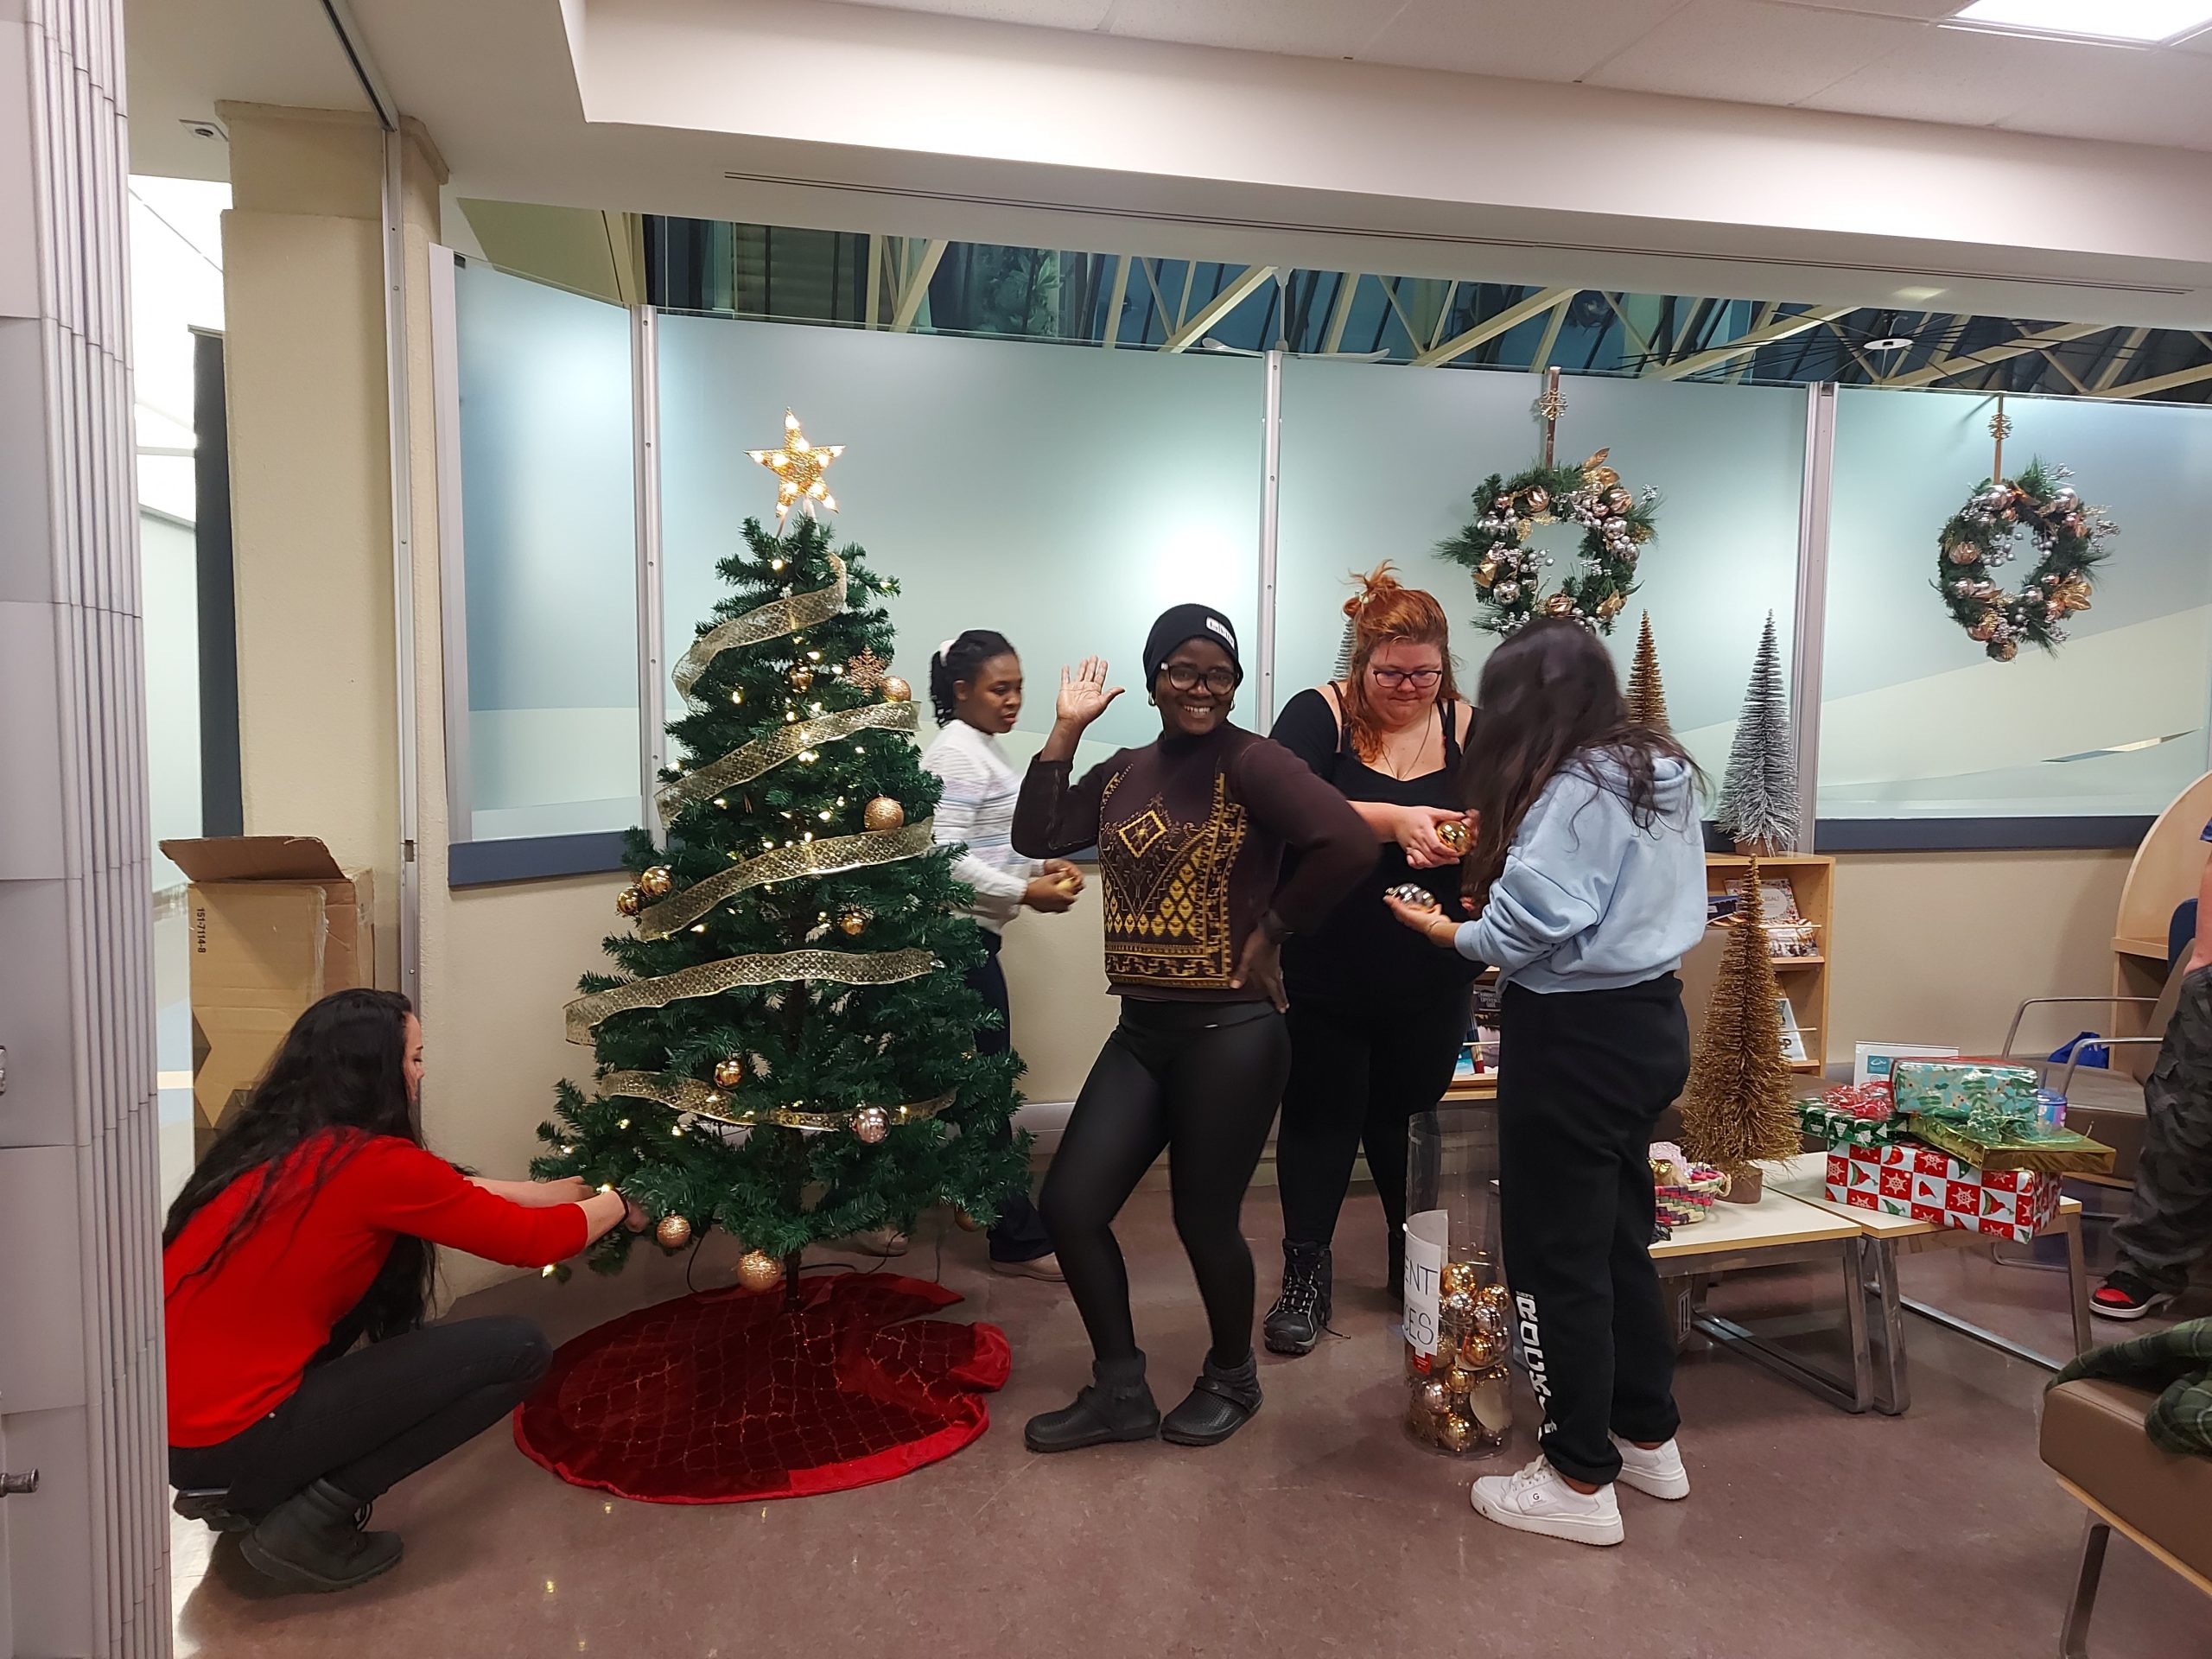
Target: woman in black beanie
<point x="1191" y="831"/>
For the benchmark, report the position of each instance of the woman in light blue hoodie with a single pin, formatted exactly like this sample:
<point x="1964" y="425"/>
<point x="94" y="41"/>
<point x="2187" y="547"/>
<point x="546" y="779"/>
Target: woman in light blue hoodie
<point x="1586" y="884"/>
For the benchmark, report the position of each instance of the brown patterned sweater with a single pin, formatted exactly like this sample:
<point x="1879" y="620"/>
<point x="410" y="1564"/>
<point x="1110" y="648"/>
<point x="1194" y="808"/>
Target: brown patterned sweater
<point x="1191" y="834"/>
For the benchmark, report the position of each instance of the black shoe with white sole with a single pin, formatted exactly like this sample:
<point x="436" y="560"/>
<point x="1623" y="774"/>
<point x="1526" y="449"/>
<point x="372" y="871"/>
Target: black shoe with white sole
<point x="2125" y="1295"/>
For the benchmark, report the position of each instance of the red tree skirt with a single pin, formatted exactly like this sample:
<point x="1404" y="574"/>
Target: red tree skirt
<point x="726" y="1396"/>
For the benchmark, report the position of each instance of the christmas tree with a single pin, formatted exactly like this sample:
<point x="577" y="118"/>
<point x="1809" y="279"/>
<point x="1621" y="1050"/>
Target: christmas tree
<point x="788" y="1050"/>
<point x="1736" y="1107"/>
<point x="1647" y="698"/>
<point x="1757" y="808"/>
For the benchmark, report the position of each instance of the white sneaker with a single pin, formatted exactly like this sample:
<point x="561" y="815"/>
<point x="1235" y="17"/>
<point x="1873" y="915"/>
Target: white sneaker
<point x="1538" y="1500"/>
<point x="1658" y="1472"/>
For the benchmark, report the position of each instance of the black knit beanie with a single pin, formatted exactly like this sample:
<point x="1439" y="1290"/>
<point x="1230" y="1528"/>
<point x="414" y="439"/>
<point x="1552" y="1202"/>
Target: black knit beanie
<point x="1181" y="622"/>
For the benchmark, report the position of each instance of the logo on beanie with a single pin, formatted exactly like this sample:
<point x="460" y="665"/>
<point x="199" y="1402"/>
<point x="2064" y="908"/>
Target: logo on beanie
<point x="1216" y="625"/>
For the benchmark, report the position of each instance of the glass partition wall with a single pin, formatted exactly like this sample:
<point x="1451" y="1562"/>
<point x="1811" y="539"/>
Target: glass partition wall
<point x="1064" y="495"/>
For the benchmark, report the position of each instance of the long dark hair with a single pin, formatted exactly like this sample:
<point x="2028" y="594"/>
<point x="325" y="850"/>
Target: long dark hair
<point x="961" y="660"/>
<point x="1550" y="699"/>
<point x="341" y="1067"/>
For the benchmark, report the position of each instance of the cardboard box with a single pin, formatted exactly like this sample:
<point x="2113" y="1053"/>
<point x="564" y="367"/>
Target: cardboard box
<point x="1906" y="1179"/>
<point x="276" y="926"/>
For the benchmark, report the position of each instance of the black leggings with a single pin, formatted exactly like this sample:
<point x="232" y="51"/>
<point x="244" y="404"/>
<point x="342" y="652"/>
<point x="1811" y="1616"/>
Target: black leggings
<point x="367" y="1420"/>
<point x="1359" y="1071"/>
<point x="1200" y="1081"/>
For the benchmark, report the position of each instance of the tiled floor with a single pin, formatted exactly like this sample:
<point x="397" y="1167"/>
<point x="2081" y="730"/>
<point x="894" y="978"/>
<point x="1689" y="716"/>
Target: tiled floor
<point x="1320" y="1529"/>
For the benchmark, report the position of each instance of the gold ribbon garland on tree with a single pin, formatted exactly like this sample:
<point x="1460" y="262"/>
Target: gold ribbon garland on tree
<point x="770" y="621"/>
<point x="765" y="754"/>
<point x="682" y="1093"/>
<point x="825" y="855"/>
<point x="737" y="973"/>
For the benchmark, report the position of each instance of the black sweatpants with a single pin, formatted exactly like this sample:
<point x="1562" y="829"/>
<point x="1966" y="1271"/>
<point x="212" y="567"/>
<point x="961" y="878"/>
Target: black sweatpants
<point x="367" y="1420"/>
<point x="1200" y="1081"/>
<point x="1582" y="1077"/>
<point x="2168" y="1228"/>
<point x="1018" y="1233"/>
<point x="1359" y="1071"/>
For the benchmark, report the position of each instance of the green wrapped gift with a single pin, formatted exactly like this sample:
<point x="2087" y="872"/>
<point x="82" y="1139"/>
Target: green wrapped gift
<point x="1833" y="1128"/>
<point x="1960" y="1092"/>
<point x="2048" y="1151"/>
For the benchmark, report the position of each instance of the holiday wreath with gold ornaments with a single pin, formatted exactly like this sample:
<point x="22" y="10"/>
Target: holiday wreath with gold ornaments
<point x="2069" y="538"/>
<point x="1617" y="523"/>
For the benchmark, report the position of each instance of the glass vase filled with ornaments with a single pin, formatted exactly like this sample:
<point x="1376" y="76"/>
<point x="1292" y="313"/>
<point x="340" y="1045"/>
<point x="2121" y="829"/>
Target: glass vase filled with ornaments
<point x="1459" y="1324"/>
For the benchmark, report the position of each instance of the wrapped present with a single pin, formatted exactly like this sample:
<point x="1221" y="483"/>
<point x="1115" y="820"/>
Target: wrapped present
<point x="1988" y="1099"/>
<point x="1834" y="1126"/>
<point x="2054" y="1152"/>
<point x="1905" y="1178"/>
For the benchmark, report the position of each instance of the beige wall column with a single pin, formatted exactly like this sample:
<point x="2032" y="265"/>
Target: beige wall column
<point x="311" y="482"/>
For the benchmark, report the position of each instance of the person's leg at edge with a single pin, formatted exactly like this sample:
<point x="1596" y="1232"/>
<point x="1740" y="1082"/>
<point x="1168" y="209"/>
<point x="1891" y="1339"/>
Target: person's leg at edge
<point x="1018" y="1237"/>
<point x="1412" y="1053"/>
<point x="1222" y="1092"/>
<point x="1117" y="1128"/>
<point x="1644" y="1417"/>
<point x="2169" y="1220"/>
<point x="1322" y="1107"/>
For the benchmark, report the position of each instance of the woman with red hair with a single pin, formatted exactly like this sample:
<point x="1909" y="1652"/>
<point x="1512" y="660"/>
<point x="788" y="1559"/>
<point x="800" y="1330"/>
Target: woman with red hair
<point x="1376" y="1021"/>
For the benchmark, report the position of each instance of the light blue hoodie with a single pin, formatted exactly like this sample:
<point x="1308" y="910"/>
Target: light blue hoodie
<point x="1587" y="901"/>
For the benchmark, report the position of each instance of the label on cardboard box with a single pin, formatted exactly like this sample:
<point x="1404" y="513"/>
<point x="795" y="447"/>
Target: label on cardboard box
<point x="1872" y="1061"/>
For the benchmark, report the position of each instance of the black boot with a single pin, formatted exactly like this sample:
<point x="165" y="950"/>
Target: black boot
<point x="313" y="1541"/>
<point x="1301" y="1314"/>
<point x="213" y="1507"/>
<point x="1117" y="1406"/>
<point x="1220" y="1402"/>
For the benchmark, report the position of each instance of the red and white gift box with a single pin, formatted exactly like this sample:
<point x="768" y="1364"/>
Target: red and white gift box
<point x="1906" y="1179"/>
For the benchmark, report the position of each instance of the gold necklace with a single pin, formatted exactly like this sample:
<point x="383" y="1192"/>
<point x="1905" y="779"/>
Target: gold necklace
<point x="1403" y="769"/>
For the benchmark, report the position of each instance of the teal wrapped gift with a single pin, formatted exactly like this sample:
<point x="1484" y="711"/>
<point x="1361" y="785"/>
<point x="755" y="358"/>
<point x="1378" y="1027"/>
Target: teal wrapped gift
<point x="1989" y="1098"/>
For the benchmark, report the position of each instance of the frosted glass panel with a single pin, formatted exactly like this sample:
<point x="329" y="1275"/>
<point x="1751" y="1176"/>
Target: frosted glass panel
<point x="1063" y="497"/>
<point x="1380" y="462"/>
<point x="1917" y="721"/>
<point x="550" y="551"/>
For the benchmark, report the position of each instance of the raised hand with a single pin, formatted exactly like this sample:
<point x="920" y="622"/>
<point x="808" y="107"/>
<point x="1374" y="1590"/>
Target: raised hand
<point x="1084" y="693"/>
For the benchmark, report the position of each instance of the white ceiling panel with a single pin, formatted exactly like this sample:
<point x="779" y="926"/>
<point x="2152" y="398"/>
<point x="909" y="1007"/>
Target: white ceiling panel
<point x="1040" y="13"/>
<point x="1557" y="41"/>
<point x="182" y="58"/>
<point x="1745" y="49"/>
<point x="1297" y="29"/>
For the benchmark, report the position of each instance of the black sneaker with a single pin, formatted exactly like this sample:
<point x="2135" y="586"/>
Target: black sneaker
<point x="2125" y="1295"/>
<point x="1294" y="1323"/>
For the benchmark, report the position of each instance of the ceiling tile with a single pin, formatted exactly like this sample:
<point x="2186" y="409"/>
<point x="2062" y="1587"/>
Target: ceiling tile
<point x="1750" y="49"/>
<point x="1559" y="42"/>
<point x="1926" y="11"/>
<point x="1298" y="29"/>
<point x="1041" y="14"/>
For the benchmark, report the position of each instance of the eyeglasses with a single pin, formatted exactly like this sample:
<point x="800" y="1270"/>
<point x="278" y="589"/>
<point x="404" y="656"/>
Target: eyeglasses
<point x="1421" y="679"/>
<point x="1219" y="681"/>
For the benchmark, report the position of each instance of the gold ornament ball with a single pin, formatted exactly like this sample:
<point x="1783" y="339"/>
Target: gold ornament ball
<point x="802" y="678"/>
<point x="657" y="882"/>
<point x="1459" y="1381"/>
<point x="883" y="813"/>
<point x="1619" y="499"/>
<point x="1457" y="1276"/>
<point x="758" y="1270"/>
<point x="896" y="689"/>
<point x="1962" y="553"/>
<point x="2005" y="650"/>
<point x="1985" y="626"/>
<point x="1480" y="1350"/>
<point x="871" y="1124"/>
<point x="852" y="922"/>
<point x="674" y="1232"/>
<point x="729" y="1072"/>
<point x="1559" y="605"/>
<point x="1539" y="499"/>
<point x="630" y="900"/>
<point x="1433" y="1396"/>
<point x="1456" y="1433"/>
<point x="1452" y="832"/>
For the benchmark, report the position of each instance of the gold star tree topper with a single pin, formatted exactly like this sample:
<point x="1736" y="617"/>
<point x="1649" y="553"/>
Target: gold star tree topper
<point x="799" y="467"/>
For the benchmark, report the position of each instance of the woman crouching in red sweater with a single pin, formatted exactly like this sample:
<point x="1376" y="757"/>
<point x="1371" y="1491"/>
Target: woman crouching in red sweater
<point x="311" y="1225"/>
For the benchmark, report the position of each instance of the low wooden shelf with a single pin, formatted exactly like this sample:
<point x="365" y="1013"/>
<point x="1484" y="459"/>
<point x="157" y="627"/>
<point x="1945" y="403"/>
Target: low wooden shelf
<point x="1804" y="980"/>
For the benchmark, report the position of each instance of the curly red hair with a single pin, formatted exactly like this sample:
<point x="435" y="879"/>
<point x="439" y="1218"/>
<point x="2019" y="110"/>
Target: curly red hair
<point x="1384" y="611"/>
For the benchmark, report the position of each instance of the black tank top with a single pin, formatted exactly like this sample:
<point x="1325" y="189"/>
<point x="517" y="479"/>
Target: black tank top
<point x="1362" y="950"/>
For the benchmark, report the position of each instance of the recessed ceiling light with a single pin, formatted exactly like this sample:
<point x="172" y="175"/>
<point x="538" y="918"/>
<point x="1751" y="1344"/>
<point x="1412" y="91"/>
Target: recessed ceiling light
<point x="2143" y="22"/>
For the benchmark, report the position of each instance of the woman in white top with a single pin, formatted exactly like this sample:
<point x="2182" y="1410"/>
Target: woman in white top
<point x="975" y="689"/>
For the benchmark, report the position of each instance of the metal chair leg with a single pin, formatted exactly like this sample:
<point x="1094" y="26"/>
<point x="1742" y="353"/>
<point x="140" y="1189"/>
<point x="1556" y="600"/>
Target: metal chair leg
<point x="2077" y="1286"/>
<point x="2074" y="1635"/>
